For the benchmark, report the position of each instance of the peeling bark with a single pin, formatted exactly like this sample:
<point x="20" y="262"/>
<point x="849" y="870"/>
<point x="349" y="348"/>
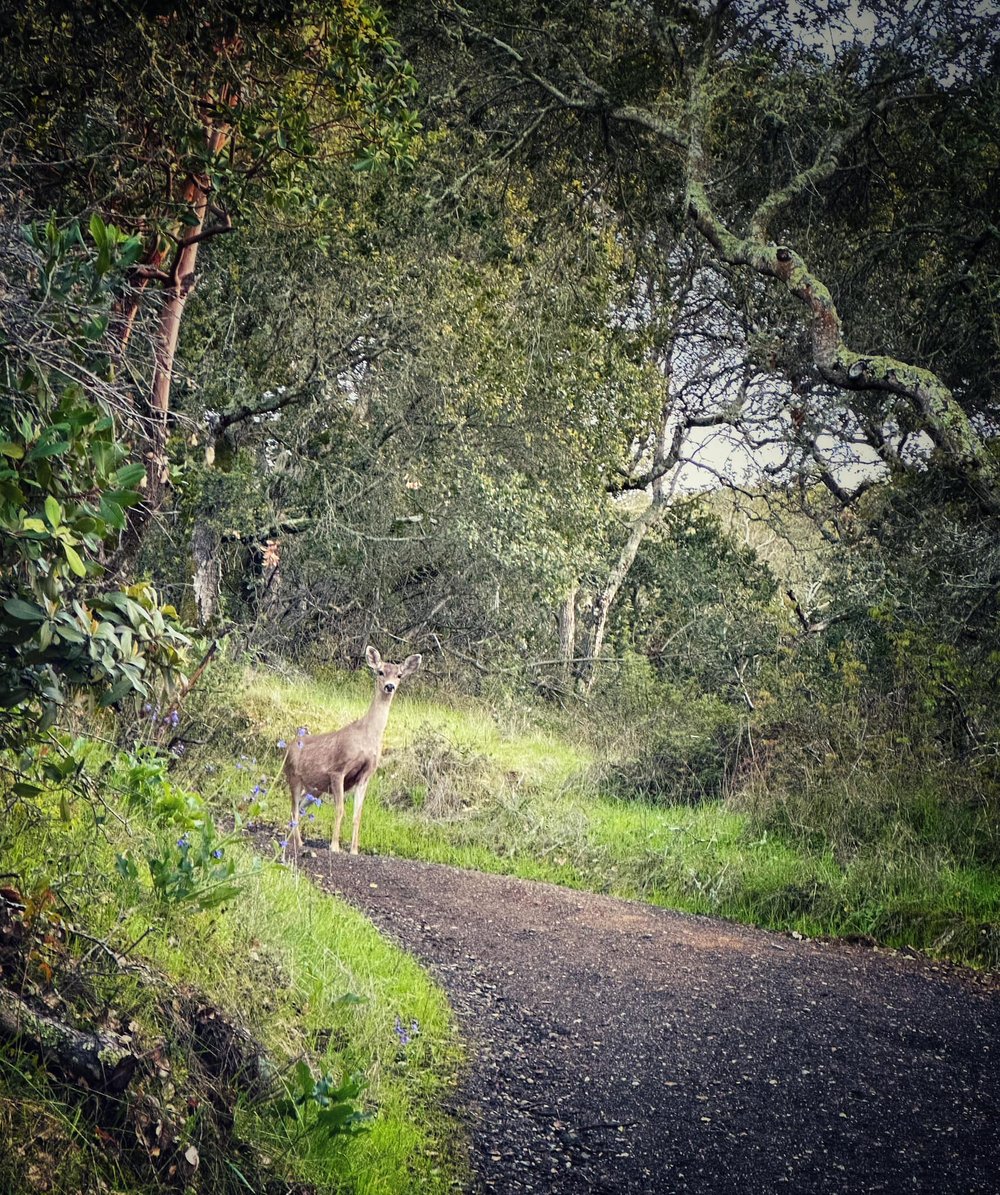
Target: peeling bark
<point x="207" y="577"/>
<point x="177" y="284"/>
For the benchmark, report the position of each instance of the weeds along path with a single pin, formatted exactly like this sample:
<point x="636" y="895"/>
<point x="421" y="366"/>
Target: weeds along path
<point x="619" y="1047"/>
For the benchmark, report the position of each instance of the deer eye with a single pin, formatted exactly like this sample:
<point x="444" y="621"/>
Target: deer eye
<point x="381" y="672"/>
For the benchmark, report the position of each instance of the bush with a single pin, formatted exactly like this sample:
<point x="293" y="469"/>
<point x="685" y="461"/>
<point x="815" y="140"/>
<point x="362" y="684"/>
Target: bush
<point x="685" y="752"/>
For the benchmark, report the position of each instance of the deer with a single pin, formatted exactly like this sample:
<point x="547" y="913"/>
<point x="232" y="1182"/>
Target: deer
<point x="335" y="763"/>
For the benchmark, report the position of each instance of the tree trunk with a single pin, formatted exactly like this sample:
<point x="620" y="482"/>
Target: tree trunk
<point x="567" y="630"/>
<point x="605" y="599"/>
<point x="207" y="576"/>
<point x="177" y="286"/>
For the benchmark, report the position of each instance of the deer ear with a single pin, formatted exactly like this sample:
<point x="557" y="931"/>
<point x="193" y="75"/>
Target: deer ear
<point x="410" y="665"/>
<point x="373" y="658"/>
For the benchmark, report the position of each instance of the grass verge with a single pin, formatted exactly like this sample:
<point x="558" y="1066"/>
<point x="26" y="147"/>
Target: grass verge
<point x="303" y="974"/>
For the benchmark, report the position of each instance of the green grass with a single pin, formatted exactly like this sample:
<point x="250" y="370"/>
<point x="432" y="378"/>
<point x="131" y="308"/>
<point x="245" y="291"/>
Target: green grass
<point x="525" y="793"/>
<point x="279" y="959"/>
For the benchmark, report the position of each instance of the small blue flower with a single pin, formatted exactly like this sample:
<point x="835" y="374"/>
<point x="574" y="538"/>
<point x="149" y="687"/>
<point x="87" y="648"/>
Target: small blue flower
<point x="282" y="744"/>
<point x="302" y="731"/>
<point x="147" y="708"/>
<point x="283" y="843"/>
<point x="401" y="1033"/>
<point x="217" y="853"/>
<point x="175" y="718"/>
<point x="257" y="790"/>
<point x="182" y="842"/>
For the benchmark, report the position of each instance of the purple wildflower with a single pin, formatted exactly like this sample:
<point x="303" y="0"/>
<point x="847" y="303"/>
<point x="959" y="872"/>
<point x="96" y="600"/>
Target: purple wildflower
<point x="302" y="730"/>
<point x="217" y="853"/>
<point x="283" y="843"/>
<point x="401" y="1033"/>
<point x="182" y="842"/>
<point x="282" y="744"/>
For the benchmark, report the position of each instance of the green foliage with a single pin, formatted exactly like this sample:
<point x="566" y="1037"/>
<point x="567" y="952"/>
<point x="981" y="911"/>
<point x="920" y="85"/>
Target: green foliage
<point x="275" y="967"/>
<point x="324" y="1105"/>
<point x="194" y="873"/>
<point x="65" y="483"/>
<point x="864" y="842"/>
<point x="295" y="86"/>
<point x="198" y="869"/>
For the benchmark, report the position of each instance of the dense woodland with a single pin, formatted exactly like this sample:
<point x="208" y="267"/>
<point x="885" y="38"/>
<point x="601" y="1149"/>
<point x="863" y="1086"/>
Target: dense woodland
<point x="635" y="363"/>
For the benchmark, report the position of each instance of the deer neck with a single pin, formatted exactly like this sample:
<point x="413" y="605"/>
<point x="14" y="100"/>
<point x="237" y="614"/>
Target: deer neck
<point x="377" y="717"/>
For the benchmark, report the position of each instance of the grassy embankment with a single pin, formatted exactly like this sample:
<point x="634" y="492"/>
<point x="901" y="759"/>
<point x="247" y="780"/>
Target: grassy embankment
<point x="279" y="960"/>
<point x="520" y="793"/>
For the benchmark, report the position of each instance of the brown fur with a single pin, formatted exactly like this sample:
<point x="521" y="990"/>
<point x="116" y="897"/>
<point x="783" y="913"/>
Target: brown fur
<point x="340" y="761"/>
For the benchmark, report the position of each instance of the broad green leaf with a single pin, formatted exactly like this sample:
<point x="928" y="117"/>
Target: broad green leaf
<point x="43" y="451"/>
<point x="129" y="476"/>
<point x="117" y="692"/>
<point x="75" y="563"/>
<point x="23" y="611"/>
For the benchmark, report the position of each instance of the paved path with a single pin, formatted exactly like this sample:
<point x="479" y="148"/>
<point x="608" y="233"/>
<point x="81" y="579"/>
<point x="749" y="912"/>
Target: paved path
<point x="622" y="1048"/>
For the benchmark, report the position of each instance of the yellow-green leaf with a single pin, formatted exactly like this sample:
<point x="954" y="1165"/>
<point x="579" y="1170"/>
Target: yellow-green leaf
<point x="75" y="563"/>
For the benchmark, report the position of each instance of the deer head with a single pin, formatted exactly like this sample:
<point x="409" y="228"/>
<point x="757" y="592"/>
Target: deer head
<point x="388" y="676"/>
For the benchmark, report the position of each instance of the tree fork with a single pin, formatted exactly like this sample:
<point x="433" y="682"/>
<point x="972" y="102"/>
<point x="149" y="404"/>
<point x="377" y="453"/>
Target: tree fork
<point x="943" y="418"/>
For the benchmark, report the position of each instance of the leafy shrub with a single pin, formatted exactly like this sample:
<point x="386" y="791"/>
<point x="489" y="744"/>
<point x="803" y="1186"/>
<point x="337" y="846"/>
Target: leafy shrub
<point x="65" y="484"/>
<point x="193" y="869"/>
<point x="323" y="1105"/>
<point x="440" y="777"/>
<point x="683" y="753"/>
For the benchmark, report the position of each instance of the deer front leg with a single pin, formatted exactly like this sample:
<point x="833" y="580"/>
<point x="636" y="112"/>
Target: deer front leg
<point x="359" y="801"/>
<point x="294" y="836"/>
<point x="337" y="792"/>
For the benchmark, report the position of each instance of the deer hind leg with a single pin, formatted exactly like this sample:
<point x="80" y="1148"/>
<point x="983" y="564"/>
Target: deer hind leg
<point x="337" y="792"/>
<point x="359" y="801"/>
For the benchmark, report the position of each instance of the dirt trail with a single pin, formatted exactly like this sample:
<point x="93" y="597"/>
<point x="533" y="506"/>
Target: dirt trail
<point x="618" y="1047"/>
